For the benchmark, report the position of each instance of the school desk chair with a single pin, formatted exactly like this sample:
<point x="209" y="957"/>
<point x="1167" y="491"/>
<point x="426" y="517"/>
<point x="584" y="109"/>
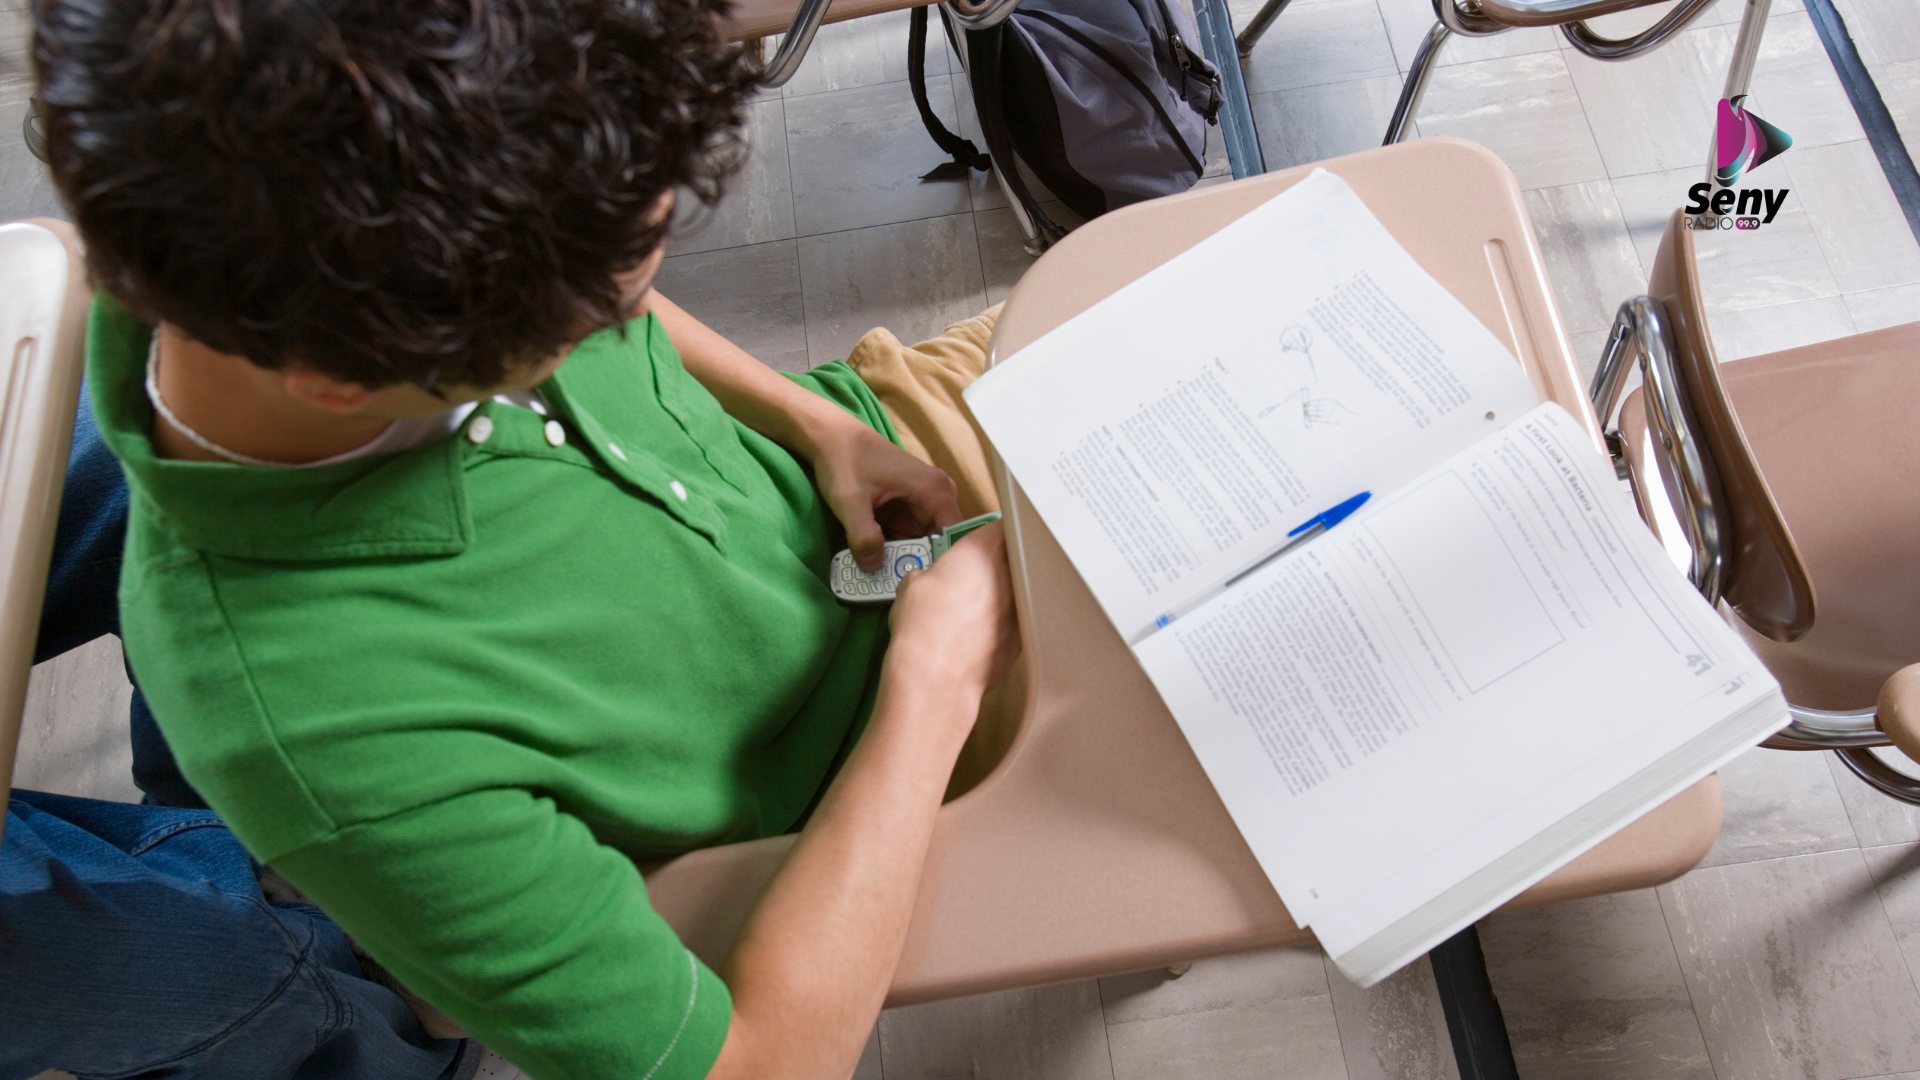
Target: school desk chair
<point x="1485" y="18"/>
<point x="1087" y="840"/>
<point x="1786" y="483"/>
<point x="43" y="319"/>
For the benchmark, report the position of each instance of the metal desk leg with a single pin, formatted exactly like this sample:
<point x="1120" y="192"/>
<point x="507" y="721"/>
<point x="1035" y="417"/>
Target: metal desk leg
<point x="1236" y="113"/>
<point x="1415" y="86"/>
<point x="1268" y="12"/>
<point x="1479" y="1032"/>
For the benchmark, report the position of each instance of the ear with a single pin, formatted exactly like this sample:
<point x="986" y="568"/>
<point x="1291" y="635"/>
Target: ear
<point x="323" y="391"/>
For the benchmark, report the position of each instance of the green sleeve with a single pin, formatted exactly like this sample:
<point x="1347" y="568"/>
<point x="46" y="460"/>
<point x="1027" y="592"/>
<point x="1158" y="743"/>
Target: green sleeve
<point x="508" y="915"/>
<point x="837" y="382"/>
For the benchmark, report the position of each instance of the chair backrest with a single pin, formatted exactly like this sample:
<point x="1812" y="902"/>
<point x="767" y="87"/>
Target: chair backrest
<point x="1833" y="428"/>
<point x="43" y="311"/>
<point x="1765" y="578"/>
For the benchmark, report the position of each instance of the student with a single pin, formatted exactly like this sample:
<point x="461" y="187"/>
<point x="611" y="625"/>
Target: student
<point x="135" y="939"/>
<point x="463" y="571"/>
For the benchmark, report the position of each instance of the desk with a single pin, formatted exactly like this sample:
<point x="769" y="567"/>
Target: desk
<point x="1097" y="845"/>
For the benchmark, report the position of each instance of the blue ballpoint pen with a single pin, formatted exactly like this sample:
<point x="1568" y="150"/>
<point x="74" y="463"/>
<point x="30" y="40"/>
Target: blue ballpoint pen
<point x="1306" y="531"/>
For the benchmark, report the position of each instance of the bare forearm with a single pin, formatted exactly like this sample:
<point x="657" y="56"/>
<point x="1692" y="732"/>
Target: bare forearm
<point x="751" y="392"/>
<point x="811" y="966"/>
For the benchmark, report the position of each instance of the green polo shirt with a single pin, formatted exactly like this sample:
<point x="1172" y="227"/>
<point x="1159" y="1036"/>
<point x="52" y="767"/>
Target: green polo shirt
<point x="454" y="693"/>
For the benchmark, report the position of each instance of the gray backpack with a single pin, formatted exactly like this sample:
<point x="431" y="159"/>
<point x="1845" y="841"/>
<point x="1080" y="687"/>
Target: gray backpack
<point x="1107" y="102"/>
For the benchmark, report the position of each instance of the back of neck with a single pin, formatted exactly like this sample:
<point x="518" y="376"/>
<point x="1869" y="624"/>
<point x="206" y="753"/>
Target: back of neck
<point x="242" y="408"/>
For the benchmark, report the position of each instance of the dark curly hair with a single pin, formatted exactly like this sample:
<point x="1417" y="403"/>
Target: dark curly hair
<point x="385" y="190"/>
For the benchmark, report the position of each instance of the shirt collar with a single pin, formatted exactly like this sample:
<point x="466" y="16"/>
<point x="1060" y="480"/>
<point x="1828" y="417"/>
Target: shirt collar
<point x="409" y="504"/>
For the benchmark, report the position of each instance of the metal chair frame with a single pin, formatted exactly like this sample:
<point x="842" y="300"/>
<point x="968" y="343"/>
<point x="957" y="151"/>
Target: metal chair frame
<point x="1642" y="334"/>
<point x="1468" y="18"/>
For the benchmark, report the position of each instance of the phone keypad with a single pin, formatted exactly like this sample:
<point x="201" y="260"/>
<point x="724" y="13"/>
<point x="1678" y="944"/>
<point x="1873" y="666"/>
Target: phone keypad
<point x="855" y="585"/>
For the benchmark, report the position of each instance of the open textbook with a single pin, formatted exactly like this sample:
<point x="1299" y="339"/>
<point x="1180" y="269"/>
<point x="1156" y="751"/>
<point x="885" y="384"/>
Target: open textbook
<point x="1485" y="671"/>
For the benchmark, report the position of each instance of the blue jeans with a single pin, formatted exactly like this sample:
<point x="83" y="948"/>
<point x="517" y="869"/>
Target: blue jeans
<point x="134" y="939"/>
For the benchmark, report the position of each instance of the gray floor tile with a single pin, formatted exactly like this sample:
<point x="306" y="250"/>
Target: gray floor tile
<point x="1646" y="202"/>
<point x="1779" y="263"/>
<point x="751" y="295"/>
<point x="1409" y="20"/>
<point x="864" y="52"/>
<point x="1882" y="308"/>
<point x="1795" y="969"/>
<point x="73" y="732"/>
<point x="1779" y="802"/>
<point x="1731" y="11"/>
<point x="1054" y="1032"/>
<point x="1896" y="876"/>
<point x="1854" y="214"/>
<point x="1003" y="254"/>
<point x="1655" y="112"/>
<point x="1592" y="990"/>
<point x="915" y="279"/>
<point x="1877" y="819"/>
<point x="1586" y="351"/>
<point x="1232" y="1018"/>
<point x="1315" y="123"/>
<point x="25" y="188"/>
<point x="1315" y="42"/>
<point x="1525" y="109"/>
<point x="1394" y="1030"/>
<point x="1754" y="331"/>
<point x="1796" y="89"/>
<point x="869" y="1067"/>
<point x="758" y="205"/>
<point x="857" y="156"/>
<point x="1885" y="31"/>
<point x="1590" y="258"/>
<point x="1900" y="88"/>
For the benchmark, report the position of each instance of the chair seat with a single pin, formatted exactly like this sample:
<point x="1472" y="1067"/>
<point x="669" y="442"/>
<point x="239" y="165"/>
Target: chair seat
<point x="1832" y="427"/>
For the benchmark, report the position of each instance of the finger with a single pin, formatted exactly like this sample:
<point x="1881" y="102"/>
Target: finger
<point x="936" y="500"/>
<point x="865" y="538"/>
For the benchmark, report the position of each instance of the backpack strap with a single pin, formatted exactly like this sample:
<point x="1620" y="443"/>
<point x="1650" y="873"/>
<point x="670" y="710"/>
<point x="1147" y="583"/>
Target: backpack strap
<point x="966" y="156"/>
<point x="983" y="69"/>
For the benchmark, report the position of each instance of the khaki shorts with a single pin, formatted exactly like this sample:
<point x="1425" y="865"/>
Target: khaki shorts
<point x="920" y="387"/>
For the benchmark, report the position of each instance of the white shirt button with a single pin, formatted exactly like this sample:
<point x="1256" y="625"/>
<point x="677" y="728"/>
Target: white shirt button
<point x="617" y="452"/>
<point x="555" y="433"/>
<point x="480" y="430"/>
<point x="679" y="490"/>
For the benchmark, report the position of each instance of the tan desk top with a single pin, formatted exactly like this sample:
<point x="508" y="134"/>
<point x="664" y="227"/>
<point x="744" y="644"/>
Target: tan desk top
<point x="1097" y="845"/>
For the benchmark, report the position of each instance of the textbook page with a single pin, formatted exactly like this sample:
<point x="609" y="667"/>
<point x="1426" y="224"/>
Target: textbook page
<point x="1465" y="663"/>
<point x="1172" y="434"/>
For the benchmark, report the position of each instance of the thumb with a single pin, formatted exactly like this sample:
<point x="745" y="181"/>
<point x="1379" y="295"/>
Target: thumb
<point x="865" y="539"/>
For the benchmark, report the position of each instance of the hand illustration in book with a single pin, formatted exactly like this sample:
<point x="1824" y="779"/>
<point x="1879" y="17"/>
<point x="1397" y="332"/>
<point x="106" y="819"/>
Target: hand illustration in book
<point x="1300" y="339"/>
<point x="1314" y="412"/>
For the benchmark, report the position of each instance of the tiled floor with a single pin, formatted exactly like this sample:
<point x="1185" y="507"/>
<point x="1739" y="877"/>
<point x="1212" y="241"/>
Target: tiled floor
<point x="1789" y="954"/>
